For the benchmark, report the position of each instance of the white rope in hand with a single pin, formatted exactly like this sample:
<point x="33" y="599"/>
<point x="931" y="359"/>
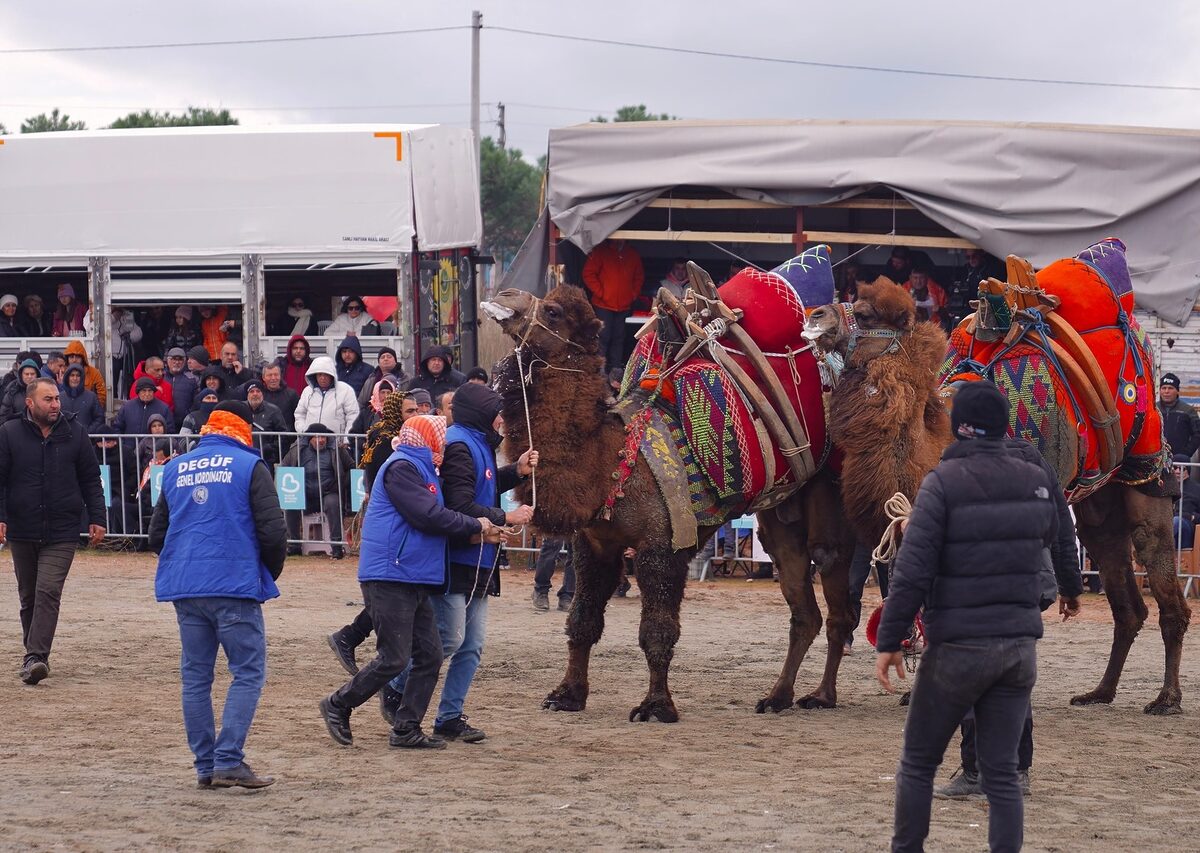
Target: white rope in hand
<point x="898" y="509"/>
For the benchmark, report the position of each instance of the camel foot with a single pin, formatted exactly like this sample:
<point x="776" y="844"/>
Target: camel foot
<point x="774" y="702"/>
<point x="661" y="709"/>
<point x="1169" y="702"/>
<point x="817" y="700"/>
<point x="1099" y="696"/>
<point x="566" y="697"/>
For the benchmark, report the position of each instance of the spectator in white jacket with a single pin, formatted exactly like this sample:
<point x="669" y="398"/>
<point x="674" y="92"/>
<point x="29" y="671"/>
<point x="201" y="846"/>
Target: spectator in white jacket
<point x="326" y="400"/>
<point x="353" y="320"/>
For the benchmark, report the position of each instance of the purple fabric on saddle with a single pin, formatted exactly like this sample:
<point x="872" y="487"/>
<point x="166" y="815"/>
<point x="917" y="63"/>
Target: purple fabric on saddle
<point x="811" y="275"/>
<point x="1108" y="256"/>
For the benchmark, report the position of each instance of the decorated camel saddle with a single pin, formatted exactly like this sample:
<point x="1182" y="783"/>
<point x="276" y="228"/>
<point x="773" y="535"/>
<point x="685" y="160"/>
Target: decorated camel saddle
<point x="723" y="396"/>
<point x="1065" y="348"/>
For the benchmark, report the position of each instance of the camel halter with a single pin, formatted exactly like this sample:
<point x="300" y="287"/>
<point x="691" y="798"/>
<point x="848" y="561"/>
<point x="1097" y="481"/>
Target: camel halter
<point x="857" y="332"/>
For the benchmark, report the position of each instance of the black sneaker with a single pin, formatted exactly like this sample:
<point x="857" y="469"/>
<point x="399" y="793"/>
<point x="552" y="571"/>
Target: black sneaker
<point x="459" y="729"/>
<point x="339" y="553"/>
<point x="240" y="777"/>
<point x="34" y="671"/>
<point x="963" y="785"/>
<point x="337" y="722"/>
<point x="411" y="737"/>
<point x="623" y="588"/>
<point x="389" y="703"/>
<point x="344" y="651"/>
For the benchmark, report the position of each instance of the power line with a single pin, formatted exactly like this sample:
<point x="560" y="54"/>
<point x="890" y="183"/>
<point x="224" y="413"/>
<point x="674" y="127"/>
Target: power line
<point x="845" y="66"/>
<point x="227" y="42"/>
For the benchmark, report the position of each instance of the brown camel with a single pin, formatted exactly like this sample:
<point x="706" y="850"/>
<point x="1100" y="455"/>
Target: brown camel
<point x="1112" y="523"/>
<point x="580" y="441"/>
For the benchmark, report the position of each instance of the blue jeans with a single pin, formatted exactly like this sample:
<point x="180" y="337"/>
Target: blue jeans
<point x="996" y="676"/>
<point x="462" y="627"/>
<point x="236" y="625"/>
<point x="1188" y="537"/>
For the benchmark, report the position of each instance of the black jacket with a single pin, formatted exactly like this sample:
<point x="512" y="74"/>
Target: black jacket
<point x="448" y="380"/>
<point x="356" y="373"/>
<point x="46" y="482"/>
<point x="1064" y="553"/>
<point x="1182" y="427"/>
<point x="972" y="551"/>
<point x="80" y="403"/>
<point x="286" y="400"/>
<point x="268" y="418"/>
<point x="1191" y="500"/>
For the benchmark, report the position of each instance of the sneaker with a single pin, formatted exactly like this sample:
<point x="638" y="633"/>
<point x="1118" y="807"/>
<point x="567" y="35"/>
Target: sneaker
<point x="34" y="671"/>
<point x="337" y="722"/>
<point x="389" y="703"/>
<point x="204" y="782"/>
<point x="564" y="604"/>
<point x="411" y="737"/>
<point x="623" y="588"/>
<point x="459" y="729"/>
<point x="541" y="600"/>
<point x="1023" y="776"/>
<point x="963" y="785"/>
<point x="344" y="651"/>
<point x="339" y="553"/>
<point x="240" y="777"/>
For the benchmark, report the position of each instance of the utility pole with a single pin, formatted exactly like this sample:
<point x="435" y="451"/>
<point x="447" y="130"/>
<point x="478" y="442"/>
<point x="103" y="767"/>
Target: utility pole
<point x="500" y="123"/>
<point x="476" y="27"/>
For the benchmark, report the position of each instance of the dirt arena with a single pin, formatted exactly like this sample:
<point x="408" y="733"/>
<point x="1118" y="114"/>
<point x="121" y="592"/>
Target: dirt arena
<point x="95" y="757"/>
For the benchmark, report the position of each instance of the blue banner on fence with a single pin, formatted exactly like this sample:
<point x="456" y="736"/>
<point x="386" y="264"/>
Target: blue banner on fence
<point x="106" y="482"/>
<point x="746" y="522"/>
<point x="156" y="475"/>
<point x="289" y="484"/>
<point x="358" y="489"/>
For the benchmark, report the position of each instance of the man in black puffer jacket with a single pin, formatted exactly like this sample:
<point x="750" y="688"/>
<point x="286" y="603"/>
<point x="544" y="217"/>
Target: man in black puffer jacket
<point x="972" y="556"/>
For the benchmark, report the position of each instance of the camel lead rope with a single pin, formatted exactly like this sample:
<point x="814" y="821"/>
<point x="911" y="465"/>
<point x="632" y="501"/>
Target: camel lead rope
<point x="898" y="509"/>
<point x="528" y="423"/>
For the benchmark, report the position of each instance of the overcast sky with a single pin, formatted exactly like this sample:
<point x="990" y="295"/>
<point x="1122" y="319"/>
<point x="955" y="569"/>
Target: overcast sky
<point x="551" y="83"/>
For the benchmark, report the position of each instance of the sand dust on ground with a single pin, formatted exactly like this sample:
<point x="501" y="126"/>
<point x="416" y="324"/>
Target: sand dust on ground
<point x="95" y="756"/>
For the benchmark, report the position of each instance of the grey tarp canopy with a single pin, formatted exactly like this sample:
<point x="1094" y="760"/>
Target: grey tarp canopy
<point x="1039" y="191"/>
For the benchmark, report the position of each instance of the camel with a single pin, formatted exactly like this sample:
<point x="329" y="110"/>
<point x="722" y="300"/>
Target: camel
<point x="1113" y="522"/>
<point x="581" y="441"/>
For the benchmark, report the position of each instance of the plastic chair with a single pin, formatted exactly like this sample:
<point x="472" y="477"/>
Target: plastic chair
<point x="315" y="522"/>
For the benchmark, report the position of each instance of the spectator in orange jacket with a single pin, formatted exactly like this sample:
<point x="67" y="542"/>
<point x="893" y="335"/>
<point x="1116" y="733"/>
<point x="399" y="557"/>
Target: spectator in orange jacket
<point x="613" y="274"/>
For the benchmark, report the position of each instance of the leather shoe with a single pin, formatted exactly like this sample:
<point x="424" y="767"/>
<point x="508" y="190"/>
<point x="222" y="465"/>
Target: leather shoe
<point x="344" y="651"/>
<point x="337" y="722"/>
<point x="240" y="777"/>
<point x="411" y="737"/>
<point x="204" y="782"/>
<point x="564" y="604"/>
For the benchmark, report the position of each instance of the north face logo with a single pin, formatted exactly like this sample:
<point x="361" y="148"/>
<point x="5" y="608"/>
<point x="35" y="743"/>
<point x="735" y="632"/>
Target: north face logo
<point x="1042" y="492"/>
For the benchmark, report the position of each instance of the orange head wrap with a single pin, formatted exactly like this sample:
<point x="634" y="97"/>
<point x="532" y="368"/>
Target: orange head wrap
<point x="228" y="424"/>
<point x="424" y="431"/>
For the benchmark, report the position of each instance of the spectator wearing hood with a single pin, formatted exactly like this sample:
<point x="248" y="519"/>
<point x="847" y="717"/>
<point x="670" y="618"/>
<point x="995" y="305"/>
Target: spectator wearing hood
<point x="156" y="425"/>
<point x="93" y="380"/>
<point x="326" y="481"/>
<point x="472" y="484"/>
<point x="370" y="414"/>
<point x="389" y="365"/>
<point x="34" y="322"/>
<point x="206" y="401"/>
<point x="134" y="416"/>
<point x="437" y="374"/>
<point x="182" y="334"/>
<point x="212" y="378"/>
<point x="12" y="404"/>
<point x="183" y="384"/>
<point x="351" y="368"/>
<point x="214" y="328"/>
<point x="15" y="372"/>
<point x="80" y="403"/>
<point x="68" y="317"/>
<point x="353" y="320"/>
<point x="326" y="400"/>
<point x="277" y="392"/>
<point x="154" y="369"/>
<point x="9" y="328"/>
<point x="295" y="363"/>
<point x="265" y="417"/>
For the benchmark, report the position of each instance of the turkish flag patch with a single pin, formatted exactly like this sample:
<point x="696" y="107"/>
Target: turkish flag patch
<point x="432" y="488"/>
<point x="487" y="472"/>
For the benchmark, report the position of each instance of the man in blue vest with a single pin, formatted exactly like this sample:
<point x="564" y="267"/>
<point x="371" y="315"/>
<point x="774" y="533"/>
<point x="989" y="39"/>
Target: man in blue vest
<point x="402" y="562"/>
<point x="472" y="484"/>
<point x="220" y="492"/>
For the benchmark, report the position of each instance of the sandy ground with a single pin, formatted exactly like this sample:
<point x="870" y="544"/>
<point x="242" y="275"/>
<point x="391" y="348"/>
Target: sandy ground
<point x="95" y="757"/>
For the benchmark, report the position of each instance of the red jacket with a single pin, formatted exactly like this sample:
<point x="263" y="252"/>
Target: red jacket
<point x="165" y="392"/>
<point x="614" y="276"/>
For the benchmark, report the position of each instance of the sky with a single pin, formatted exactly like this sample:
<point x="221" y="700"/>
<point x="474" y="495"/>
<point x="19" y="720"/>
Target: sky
<point x="547" y="82"/>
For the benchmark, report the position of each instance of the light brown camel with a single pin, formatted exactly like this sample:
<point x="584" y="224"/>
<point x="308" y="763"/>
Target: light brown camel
<point x="580" y="439"/>
<point x="1112" y="523"/>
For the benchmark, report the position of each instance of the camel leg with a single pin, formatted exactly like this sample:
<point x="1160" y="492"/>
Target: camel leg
<point x="1103" y="530"/>
<point x="787" y="545"/>
<point x="835" y="585"/>
<point x="597" y="573"/>
<point x="661" y="576"/>
<point x="1154" y="542"/>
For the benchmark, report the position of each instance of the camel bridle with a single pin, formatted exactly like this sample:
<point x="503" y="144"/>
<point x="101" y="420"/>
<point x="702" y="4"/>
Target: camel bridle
<point x="857" y="332"/>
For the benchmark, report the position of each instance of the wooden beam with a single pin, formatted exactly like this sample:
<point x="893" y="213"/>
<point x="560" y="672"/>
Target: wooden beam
<point x="844" y="237"/>
<point x="869" y="204"/>
<point x="838" y="237"/>
<point x="713" y="204"/>
<point x="704" y="236"/>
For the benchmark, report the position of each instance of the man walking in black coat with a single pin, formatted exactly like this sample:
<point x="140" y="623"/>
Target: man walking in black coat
<point x="972" y="556"/>
<point x="48" y="473"/>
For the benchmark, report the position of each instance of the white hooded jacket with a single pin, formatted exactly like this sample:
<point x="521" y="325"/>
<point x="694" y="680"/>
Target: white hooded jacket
<point x="337" y="408"/>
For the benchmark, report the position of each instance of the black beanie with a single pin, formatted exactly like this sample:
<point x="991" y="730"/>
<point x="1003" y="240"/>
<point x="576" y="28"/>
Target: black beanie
<point x="237" y="407"/>
<point x="318" y="429"/>
<point x="198" y="353"/>
<point x="476" y="406"/>
<point x="980" y="411"/>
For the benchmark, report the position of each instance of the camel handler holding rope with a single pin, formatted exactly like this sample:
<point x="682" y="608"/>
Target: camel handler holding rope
<point x="972" y="556"/>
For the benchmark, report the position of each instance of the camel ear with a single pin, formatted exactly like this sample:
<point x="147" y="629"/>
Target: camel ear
<point x="591" y="331"/>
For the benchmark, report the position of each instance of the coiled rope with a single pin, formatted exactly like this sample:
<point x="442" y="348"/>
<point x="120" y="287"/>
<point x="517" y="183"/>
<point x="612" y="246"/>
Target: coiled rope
<point x="897" y="508"/>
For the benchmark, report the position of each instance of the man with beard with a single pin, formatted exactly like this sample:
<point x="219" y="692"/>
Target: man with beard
<point x="295" y="363"/>
<point x="48" y="474"/>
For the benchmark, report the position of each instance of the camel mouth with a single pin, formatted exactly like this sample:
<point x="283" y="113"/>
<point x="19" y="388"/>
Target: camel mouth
<point x="496" y="311"/>
<point x="813" y="330"/>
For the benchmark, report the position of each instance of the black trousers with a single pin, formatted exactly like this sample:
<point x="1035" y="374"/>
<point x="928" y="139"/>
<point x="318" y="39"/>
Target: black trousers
<point x="546" y="561"/>
<point x="860" y="570"/>
<point x="995" y="676"/>
<point x="967" y="750"/>
<point x="612" y="337"/>
<point x="405" y="627"/>
<point x="41" y="571"/>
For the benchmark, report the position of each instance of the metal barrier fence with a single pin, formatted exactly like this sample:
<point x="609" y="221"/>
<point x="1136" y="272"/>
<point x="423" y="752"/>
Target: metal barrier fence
<point x="319" y="485"/>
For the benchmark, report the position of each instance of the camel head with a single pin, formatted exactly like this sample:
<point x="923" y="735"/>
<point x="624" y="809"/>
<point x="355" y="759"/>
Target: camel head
<point x="556" y="327"/>
<point x="866" y="328"/>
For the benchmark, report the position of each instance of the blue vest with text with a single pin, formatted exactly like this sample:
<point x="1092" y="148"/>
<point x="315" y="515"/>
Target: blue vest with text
<point x="481" y="555"/>
<point x="211" y="548"/>
<point x="391" y="548"/>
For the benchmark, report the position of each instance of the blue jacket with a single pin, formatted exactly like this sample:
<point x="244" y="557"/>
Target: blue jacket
<point x="406" y="524"/>
<point x="211" y="546"/>
<point x="481" y="555"/>
<point x="357" y="372"/>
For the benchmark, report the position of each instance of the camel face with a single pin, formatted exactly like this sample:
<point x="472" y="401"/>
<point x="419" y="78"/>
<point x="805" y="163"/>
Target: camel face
<point x="511" y="309"/>
<point x="561" y="324"/>
<point x="825" y="330"/>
